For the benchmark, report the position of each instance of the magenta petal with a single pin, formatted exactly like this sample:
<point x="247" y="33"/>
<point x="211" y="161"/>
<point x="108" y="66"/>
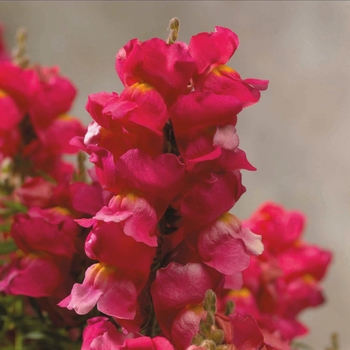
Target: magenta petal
<point x="112" y="290"/>
<point x="138" y="217"/>
<point x="196" y="112"/>
<point x="168" y="68"/>
<point x="234" y="281"/>
<point x="104" y="235"/>
<point x="177" y="285"/>
<point x="26" y="277"/>
<point x="186" y="326"/>
<point x="223" y="80"/>
<point x="159" y="178"/>
<point x="47" y="230"/>
<point x="221" y="247"/>
<point x="247" y="334"/>
<point x="10" y="114"/>
<point x="102" y="334"/>
<point x="210" y="197"/>
<point x="210" y="49"/>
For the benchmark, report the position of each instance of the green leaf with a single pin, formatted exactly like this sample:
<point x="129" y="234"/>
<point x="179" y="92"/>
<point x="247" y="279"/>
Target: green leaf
<point x="301" y="346"/>
<point x="16" y="206"/>
<point x="8" y="246"/>
<point x="5" y="227"/>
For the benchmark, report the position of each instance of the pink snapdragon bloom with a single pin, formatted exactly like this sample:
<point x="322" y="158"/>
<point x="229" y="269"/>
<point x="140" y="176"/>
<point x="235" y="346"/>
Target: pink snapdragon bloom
<point x="177" y="294"/>
<point x="23" y="276"/>
<point x="159" y="179"/>
<point x="128" y="224"/>
<point x="206" y="196"/>
<point x="113" y="290"/>
<point x="134" y="119"/>
<point x="136" y="217"/>
<point x="284" y="280"/>
<point x="198" y="120"/>
<point x="34" y="125"/>
<point x="168" y="68"/>
<point x="50" y="230"/>
<point x="222" y="244"/>
<point x="102" y="334"/>
<point x="170" y="161"/>
<point x="213" y="75"/>
<point x="46" y="238"/>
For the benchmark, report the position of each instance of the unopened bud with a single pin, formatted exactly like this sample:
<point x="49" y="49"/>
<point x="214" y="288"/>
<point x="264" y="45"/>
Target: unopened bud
<point x="217" y="336"/>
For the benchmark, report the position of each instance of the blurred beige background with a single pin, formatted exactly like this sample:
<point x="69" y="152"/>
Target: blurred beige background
<point x="297" y="136"/>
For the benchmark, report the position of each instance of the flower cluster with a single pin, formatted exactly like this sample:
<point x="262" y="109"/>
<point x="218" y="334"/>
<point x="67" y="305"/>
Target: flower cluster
<point x="166" y="149"/>
<point x="143" y="251"/>
<point x="284" y="280"/>
<point x="39" y="200"/>
<point x="35" y="128"/>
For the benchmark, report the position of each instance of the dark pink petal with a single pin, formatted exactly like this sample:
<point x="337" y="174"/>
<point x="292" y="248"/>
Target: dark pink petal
<point x="13" y="80"/>
<point x="257" y="83"/>
<point x="209" y="197"/>
<point x="10" y="114"/>
<point x="101" y="334"/>
<point x="233" y="160"/>
<point x="151" y="110"/>
<point x="194" y="113"/>
<point x="56" y="137"/>
<point x="111" y="289"/>
<point x="47" y="230"/>
<point x="247" y="334"/>
<point x="301" y="293"/>
<point x="200" y="149"/>
<point x="177" y="285"/>
<point x="275" y="342"/>
<point x="221" y="247"/>
<point x="86" y="198"/>
<point x="138" y="217"/>
<point x="159" y="178"/>
<point x="223" y="80"/>
<point x="51" y="94"/>
<point x="211" y="49"/>
<point x="278" y="227"/>
<point x="304" y="260"/>
<point x="146" y="343"/>
<point x="289" y="328"/>
<point x="234" y="281"/>
<point x="10" y="141"/>
<point x="35" y="192"/>
<point x="244" y="301"/>
<point x="25" y="276"/>
<point x="95" y="105"/>
<point x="186" y="325"/>
<point x="125" y="248"/>
<point x="168" y="68"/>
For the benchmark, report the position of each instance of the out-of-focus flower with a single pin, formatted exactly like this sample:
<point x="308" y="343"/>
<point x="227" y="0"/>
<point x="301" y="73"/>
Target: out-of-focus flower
<point x="284" y="280"/>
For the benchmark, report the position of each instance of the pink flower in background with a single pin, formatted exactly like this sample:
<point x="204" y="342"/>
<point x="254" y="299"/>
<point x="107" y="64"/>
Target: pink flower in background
<point x="284" y="280"/>
<point x="34" y="124"/>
